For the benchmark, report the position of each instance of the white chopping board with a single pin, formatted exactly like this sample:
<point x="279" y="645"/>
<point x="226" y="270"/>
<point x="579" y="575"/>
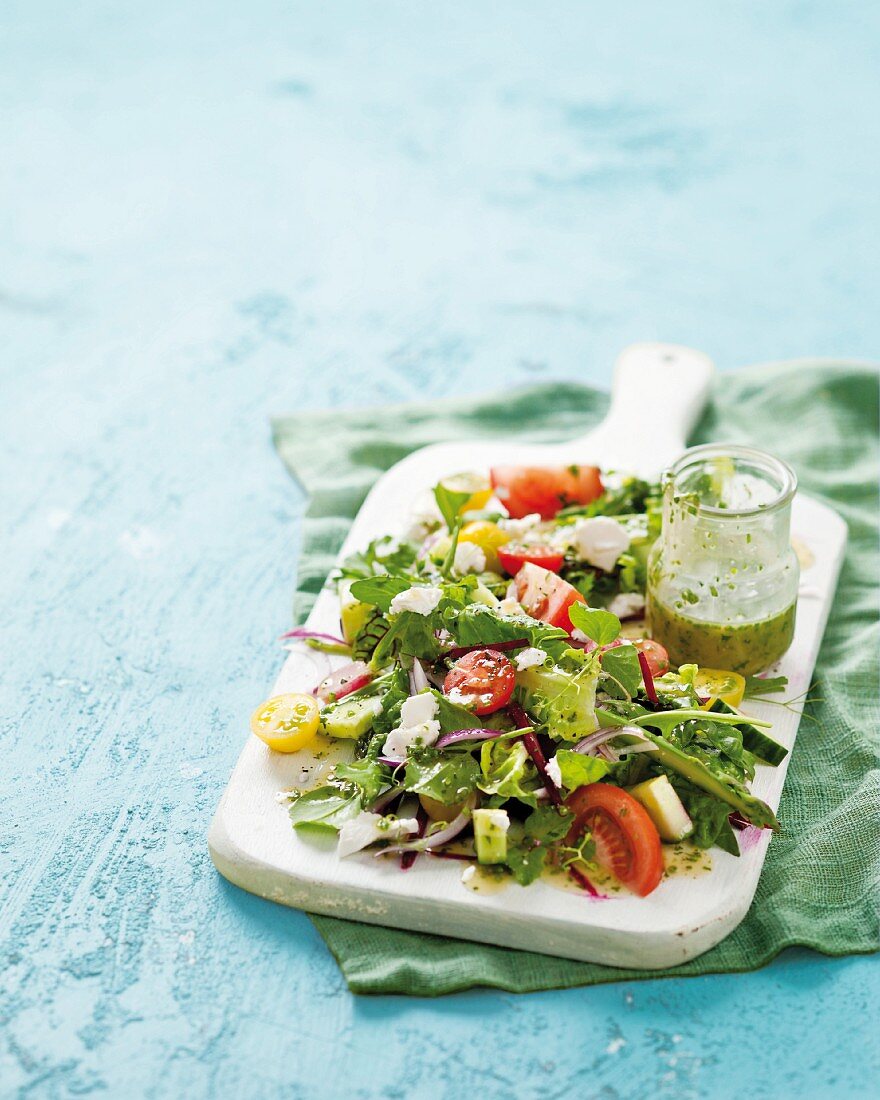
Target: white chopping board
<point x="251" y="839"/>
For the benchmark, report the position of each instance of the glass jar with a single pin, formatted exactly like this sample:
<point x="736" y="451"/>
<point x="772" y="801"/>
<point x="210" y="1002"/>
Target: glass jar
<point x="722" y="576"/>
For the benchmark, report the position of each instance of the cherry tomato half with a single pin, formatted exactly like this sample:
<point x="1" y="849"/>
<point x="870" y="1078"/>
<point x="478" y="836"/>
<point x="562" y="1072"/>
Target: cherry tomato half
<point x="546" y="596"/>
<point x="718" y="683"/>
<point x="513" y="557"/>
<point x="626" y="839"/>
<point x="658" y="658"/>
<point x="524" y="490"/>
<point x="286" y="723"/>
<point x="483" y="679"/>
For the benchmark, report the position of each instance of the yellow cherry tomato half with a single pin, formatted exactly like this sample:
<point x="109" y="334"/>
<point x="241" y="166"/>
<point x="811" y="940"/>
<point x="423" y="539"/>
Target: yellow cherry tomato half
<point x="478" y="486"/>
<point x="286" y="723"/>
<point x="488" y="536"/>
<point x="718" y="683"/>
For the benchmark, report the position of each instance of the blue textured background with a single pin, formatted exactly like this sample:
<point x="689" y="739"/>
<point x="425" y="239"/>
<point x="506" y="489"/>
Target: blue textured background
<point x="213" y="212"/>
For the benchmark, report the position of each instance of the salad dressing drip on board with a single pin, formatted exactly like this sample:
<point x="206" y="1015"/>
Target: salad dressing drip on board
<point x="723" y="577"/>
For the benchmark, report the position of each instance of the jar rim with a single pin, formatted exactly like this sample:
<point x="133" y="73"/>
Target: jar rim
<point x="776" y="468"/>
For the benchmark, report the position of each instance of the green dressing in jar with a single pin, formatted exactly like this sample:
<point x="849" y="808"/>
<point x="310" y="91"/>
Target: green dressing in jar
<point x="722" y="577"/>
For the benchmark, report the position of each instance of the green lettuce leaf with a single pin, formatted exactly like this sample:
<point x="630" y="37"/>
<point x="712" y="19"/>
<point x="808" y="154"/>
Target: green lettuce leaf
<point x="527" y="850"/>
<point x="595" y="622"/>
<point x="368" y="776"/>
<point x="621" y="664"/>
<point x="447" y="778"/>
<point x="508" y="772"/>
<point x="380" y="591"/>
<point x="577" y="769"/>
<point x="326" y="808"/>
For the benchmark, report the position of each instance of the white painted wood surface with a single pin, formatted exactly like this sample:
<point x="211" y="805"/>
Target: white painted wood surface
<point x="659" y="392"/>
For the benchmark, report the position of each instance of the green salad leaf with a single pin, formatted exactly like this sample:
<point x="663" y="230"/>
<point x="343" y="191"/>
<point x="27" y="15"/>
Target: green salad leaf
<point x="577" y="769"/>
<point x="380" y="591"/>
<point x="326" y="808"/>
<point x="507" y="772"/>
<point x="595" y="622"/>
<point x="383" y="555"/>
<point x="764" y="685"/>
<point x="447" y="778"/>
<point x="368" y="776"/>
<point x="450" y="502"/>
<point x="621" y="664"/>
<point x="528" y="847"/>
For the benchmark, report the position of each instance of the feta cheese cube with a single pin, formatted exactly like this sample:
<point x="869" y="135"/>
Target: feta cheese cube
<point x="529" y="658"/>
<point x="420" y="599"/>
<point x="598" y="541"/>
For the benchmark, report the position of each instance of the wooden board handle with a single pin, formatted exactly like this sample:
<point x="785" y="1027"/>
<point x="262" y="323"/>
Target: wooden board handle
<point x="657" y="395"/>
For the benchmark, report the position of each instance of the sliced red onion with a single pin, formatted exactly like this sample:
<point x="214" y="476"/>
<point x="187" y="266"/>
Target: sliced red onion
<point x="418" y="681"/>
<point x="305" y="634"/>
<point x="648" y="677"/>
<point x="597" y="742"/>
<point x="599" y="737"/>
<point x="460" y="651"/>
<point x="390" y="762"/>
<point x="435" y="840"/>
<point x="459" y="737"/>
<point x="344" y="681"/>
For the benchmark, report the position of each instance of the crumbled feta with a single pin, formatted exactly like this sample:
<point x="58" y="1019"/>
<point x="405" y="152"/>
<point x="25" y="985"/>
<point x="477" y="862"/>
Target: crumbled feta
<point x="579" y="636"/>
<point x="469" y="558"/>
<point x="418" y="709"/>
<point x="365" y="829"/>
<point x="626" y="605"/>
<point x="510" y="606"/>
<point x="554" y="771"/>
<point x="421" y="600"/>
<point x="528" y="658"/>
<point x="418" y="725"/>
<point x="520" y="527"/>
<point x="599" y="541"/>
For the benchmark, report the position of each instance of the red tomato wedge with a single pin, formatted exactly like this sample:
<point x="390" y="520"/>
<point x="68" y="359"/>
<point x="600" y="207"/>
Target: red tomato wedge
<point x="514" y="557"/>
<point x="524" y="490"/>
<point x="626" y="839"/>
<point x="546" y="596"/>
<point x="658" y="658"/>
<point x="483" y="679"/>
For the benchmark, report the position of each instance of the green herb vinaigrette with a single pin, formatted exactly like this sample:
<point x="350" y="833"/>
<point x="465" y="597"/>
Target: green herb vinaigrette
<point x="741" y="647"/>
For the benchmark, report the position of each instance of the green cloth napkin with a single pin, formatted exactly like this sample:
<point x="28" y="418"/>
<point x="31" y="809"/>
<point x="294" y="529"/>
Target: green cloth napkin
<point x="819" y="884"/>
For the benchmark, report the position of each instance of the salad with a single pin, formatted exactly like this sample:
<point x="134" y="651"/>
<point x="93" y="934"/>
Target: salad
<point x="502" y="704"/>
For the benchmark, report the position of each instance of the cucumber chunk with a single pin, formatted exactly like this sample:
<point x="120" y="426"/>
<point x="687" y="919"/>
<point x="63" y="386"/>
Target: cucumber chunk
<point x="490" y="835"/>
<point x="350" y="718"/>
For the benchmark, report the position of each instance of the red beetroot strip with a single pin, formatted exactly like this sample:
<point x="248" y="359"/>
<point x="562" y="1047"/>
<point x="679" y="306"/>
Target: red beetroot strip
<point x="648" y="677"/>
<point x="409" y="858"/>
<point x="581" y="879"/>
<point x="519" y="716"/>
